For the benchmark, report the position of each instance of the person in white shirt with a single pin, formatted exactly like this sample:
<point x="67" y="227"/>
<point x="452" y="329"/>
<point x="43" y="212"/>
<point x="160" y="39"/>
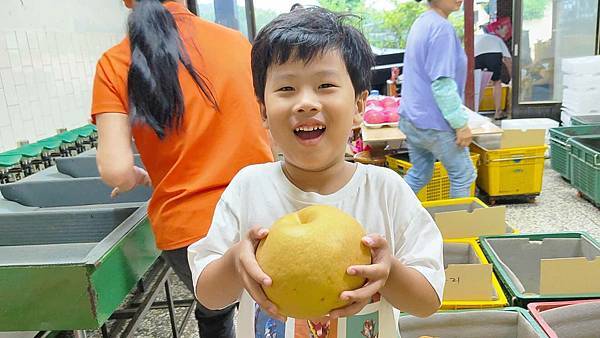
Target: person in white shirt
<point x="311" y="75"/>
<point x="490" y="53"/>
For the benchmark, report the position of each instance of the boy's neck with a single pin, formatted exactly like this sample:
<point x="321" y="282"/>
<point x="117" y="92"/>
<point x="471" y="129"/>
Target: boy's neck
<point x="324" y="182"/>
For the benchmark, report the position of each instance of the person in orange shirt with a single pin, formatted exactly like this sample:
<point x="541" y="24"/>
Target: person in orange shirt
<point x="182" y="88"/>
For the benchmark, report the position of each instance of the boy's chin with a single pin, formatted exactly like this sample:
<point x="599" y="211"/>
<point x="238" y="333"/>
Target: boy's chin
<point x="310" y="163"/>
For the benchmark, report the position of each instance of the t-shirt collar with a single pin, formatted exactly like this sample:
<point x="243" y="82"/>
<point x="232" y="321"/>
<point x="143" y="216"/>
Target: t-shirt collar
<point x="176" y="8"/>
<point x="348" y="190"/>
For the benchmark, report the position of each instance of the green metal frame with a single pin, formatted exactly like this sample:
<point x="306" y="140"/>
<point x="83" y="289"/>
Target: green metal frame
<point x="82" y="295"/>
<point x="517" y="298"/>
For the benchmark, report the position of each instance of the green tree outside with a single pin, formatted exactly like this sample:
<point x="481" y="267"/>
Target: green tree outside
<point x="389" y="28"/>
<point x="534" y="9"/>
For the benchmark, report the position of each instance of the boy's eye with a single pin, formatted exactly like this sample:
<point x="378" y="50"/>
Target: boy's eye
<point x="285" y="89"/>
<point x="326" y="85"/>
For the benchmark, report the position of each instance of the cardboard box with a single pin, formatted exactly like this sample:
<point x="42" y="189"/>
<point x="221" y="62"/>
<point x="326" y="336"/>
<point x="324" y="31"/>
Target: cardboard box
<point x="468" y="274"/>
<point x="512" y="138"/>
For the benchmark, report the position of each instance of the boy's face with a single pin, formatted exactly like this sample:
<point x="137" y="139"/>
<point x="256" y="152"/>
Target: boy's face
<point x="309" y="110"/>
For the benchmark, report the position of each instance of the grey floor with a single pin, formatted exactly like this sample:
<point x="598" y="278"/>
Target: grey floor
<point x="557" y="209"/>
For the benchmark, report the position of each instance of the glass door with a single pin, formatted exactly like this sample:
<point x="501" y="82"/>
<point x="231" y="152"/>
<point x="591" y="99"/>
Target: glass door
<point x="546" y="32"/>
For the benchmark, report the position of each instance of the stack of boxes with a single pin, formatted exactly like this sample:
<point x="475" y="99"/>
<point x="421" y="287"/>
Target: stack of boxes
<point x="581" y="87"/>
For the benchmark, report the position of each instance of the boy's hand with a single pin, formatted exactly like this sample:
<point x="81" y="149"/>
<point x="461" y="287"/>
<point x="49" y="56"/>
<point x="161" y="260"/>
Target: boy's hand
<point x="252" y="276"/>
<point x="140" y="177"/>
<point x="376" y="274"/>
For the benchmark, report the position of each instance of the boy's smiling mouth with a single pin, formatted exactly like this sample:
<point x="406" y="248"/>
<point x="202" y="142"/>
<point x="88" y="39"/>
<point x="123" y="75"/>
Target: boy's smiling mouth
<point x="309" y="132"/>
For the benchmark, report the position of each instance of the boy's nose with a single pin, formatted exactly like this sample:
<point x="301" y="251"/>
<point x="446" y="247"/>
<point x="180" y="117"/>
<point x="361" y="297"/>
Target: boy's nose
<point x="308" y="103"/>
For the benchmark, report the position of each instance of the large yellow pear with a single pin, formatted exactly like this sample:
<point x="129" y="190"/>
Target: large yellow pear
<point x="306" y="254"/>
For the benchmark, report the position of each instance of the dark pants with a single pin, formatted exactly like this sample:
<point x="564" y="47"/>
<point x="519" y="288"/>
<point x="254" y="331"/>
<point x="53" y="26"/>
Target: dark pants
<point x="211" y="324"/>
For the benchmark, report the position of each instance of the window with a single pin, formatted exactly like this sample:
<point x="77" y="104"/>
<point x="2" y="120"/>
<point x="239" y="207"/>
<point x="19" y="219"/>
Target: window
<point x="552" y="31"/>
<point x="230" y="13"/>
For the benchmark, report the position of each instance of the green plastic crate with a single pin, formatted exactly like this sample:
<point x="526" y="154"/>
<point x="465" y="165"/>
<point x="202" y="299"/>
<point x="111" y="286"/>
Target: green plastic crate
<point x="585" y="120"/>
<point x="516" y="297"/>
<point x="10" y="167"/>
<point x="9" y="159"/>
<point x="585" y="166"/>
<point x="560" y="145"/>
<point x="51" y="143"/>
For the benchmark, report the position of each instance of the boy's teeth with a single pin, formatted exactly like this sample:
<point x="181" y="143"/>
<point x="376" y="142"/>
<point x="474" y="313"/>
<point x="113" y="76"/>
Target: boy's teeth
<point x="309" y="128"/>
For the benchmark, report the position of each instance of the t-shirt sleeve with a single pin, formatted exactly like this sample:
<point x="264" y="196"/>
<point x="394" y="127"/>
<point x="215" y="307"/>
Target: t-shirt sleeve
<point x="108" y="94"/>
<point x="224" y="232"/>
<point x="441" y="54"/>
<point x="419" y="244"/>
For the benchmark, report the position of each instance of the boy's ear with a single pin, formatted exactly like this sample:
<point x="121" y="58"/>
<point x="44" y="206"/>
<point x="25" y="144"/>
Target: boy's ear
<point x="263" y="114"/>
<point x="362" y="101"/>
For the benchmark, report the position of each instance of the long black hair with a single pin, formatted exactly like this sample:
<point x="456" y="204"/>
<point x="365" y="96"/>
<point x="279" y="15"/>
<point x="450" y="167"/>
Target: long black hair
<point x="154" y="91"/>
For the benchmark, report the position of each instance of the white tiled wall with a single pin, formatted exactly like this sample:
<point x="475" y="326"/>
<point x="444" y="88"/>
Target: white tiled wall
<point x="47" y="67"/>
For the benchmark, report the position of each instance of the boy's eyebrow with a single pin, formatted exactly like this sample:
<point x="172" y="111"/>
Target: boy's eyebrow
<point x="292" y="75"/>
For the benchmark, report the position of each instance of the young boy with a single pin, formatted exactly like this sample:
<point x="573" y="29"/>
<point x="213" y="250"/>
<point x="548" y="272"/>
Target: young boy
<point x="311" y="74"/>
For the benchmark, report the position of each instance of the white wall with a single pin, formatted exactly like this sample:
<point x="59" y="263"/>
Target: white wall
<point x="48" y="54"/>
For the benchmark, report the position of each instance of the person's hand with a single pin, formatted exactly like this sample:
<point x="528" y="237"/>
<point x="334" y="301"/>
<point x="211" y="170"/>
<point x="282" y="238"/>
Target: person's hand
<point x="140" y="178"/>
<point x="376" y="274"/>
<point x="252" y="276"/>
<point x="464" y="136"/>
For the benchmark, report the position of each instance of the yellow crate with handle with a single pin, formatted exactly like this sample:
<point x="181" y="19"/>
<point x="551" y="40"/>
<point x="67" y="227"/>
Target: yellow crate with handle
<point x="510" y="171"/>
<point x="496" y="297"/>
<point x="439" y="186"/>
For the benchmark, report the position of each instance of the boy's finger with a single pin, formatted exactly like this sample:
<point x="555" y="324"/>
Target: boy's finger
<point x="257" y="293"/>
<point x="375" y="241"/>
<point x="371" y="272"/>
<point x="363" y="294"/>
<point x="349" y="310"/>
<point x="251" y="267"/>
<point x="257" y="233"/>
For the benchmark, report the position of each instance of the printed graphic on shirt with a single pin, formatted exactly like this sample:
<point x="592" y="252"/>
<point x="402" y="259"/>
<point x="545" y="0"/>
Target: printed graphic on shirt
<point x="363" y="326"/>
<point x="323" y="328"/>
<point x="267" y="327"/>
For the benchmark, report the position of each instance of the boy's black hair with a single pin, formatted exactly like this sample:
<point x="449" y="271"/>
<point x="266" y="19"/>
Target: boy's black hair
<point x="304" y="34"/>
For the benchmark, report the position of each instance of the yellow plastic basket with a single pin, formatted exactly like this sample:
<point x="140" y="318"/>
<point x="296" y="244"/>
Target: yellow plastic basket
<point x="500" y="300"/>
<point x="512" y="171"/>
<point x="457" y="204"/>
<point x="439" y="186"/>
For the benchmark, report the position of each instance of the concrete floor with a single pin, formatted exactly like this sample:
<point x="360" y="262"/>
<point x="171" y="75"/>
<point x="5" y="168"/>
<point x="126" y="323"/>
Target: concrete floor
<point x="557" y="209"/>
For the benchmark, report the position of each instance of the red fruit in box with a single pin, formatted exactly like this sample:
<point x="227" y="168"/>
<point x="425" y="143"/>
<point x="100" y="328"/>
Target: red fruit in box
<point x="373" y="116"/>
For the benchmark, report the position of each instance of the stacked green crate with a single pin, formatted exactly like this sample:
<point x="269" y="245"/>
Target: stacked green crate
<point x="69" y="143"/>
<point x="31" y="158"/>
<point x="87" y="137"/>
<point x="560" y="146"/>
<point x="51" y="149"/>
<point x="10" y="167"/>
<point x="585" y="120"/>
<point x="585" y="166"/>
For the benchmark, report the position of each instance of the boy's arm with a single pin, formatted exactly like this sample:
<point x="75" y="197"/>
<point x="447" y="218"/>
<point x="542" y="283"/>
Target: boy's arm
<point x="219" y="284"/>
<point x="409" y="291"/>
<point x="416" y="280"/>
<point x="211" y="259"/>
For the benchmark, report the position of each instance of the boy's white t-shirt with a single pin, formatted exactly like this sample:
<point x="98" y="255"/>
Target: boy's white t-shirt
<point x="377" y="197"/>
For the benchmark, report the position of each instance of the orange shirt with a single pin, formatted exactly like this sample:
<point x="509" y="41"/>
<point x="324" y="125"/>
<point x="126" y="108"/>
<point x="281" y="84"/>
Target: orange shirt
<point x="190" y="168"/>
